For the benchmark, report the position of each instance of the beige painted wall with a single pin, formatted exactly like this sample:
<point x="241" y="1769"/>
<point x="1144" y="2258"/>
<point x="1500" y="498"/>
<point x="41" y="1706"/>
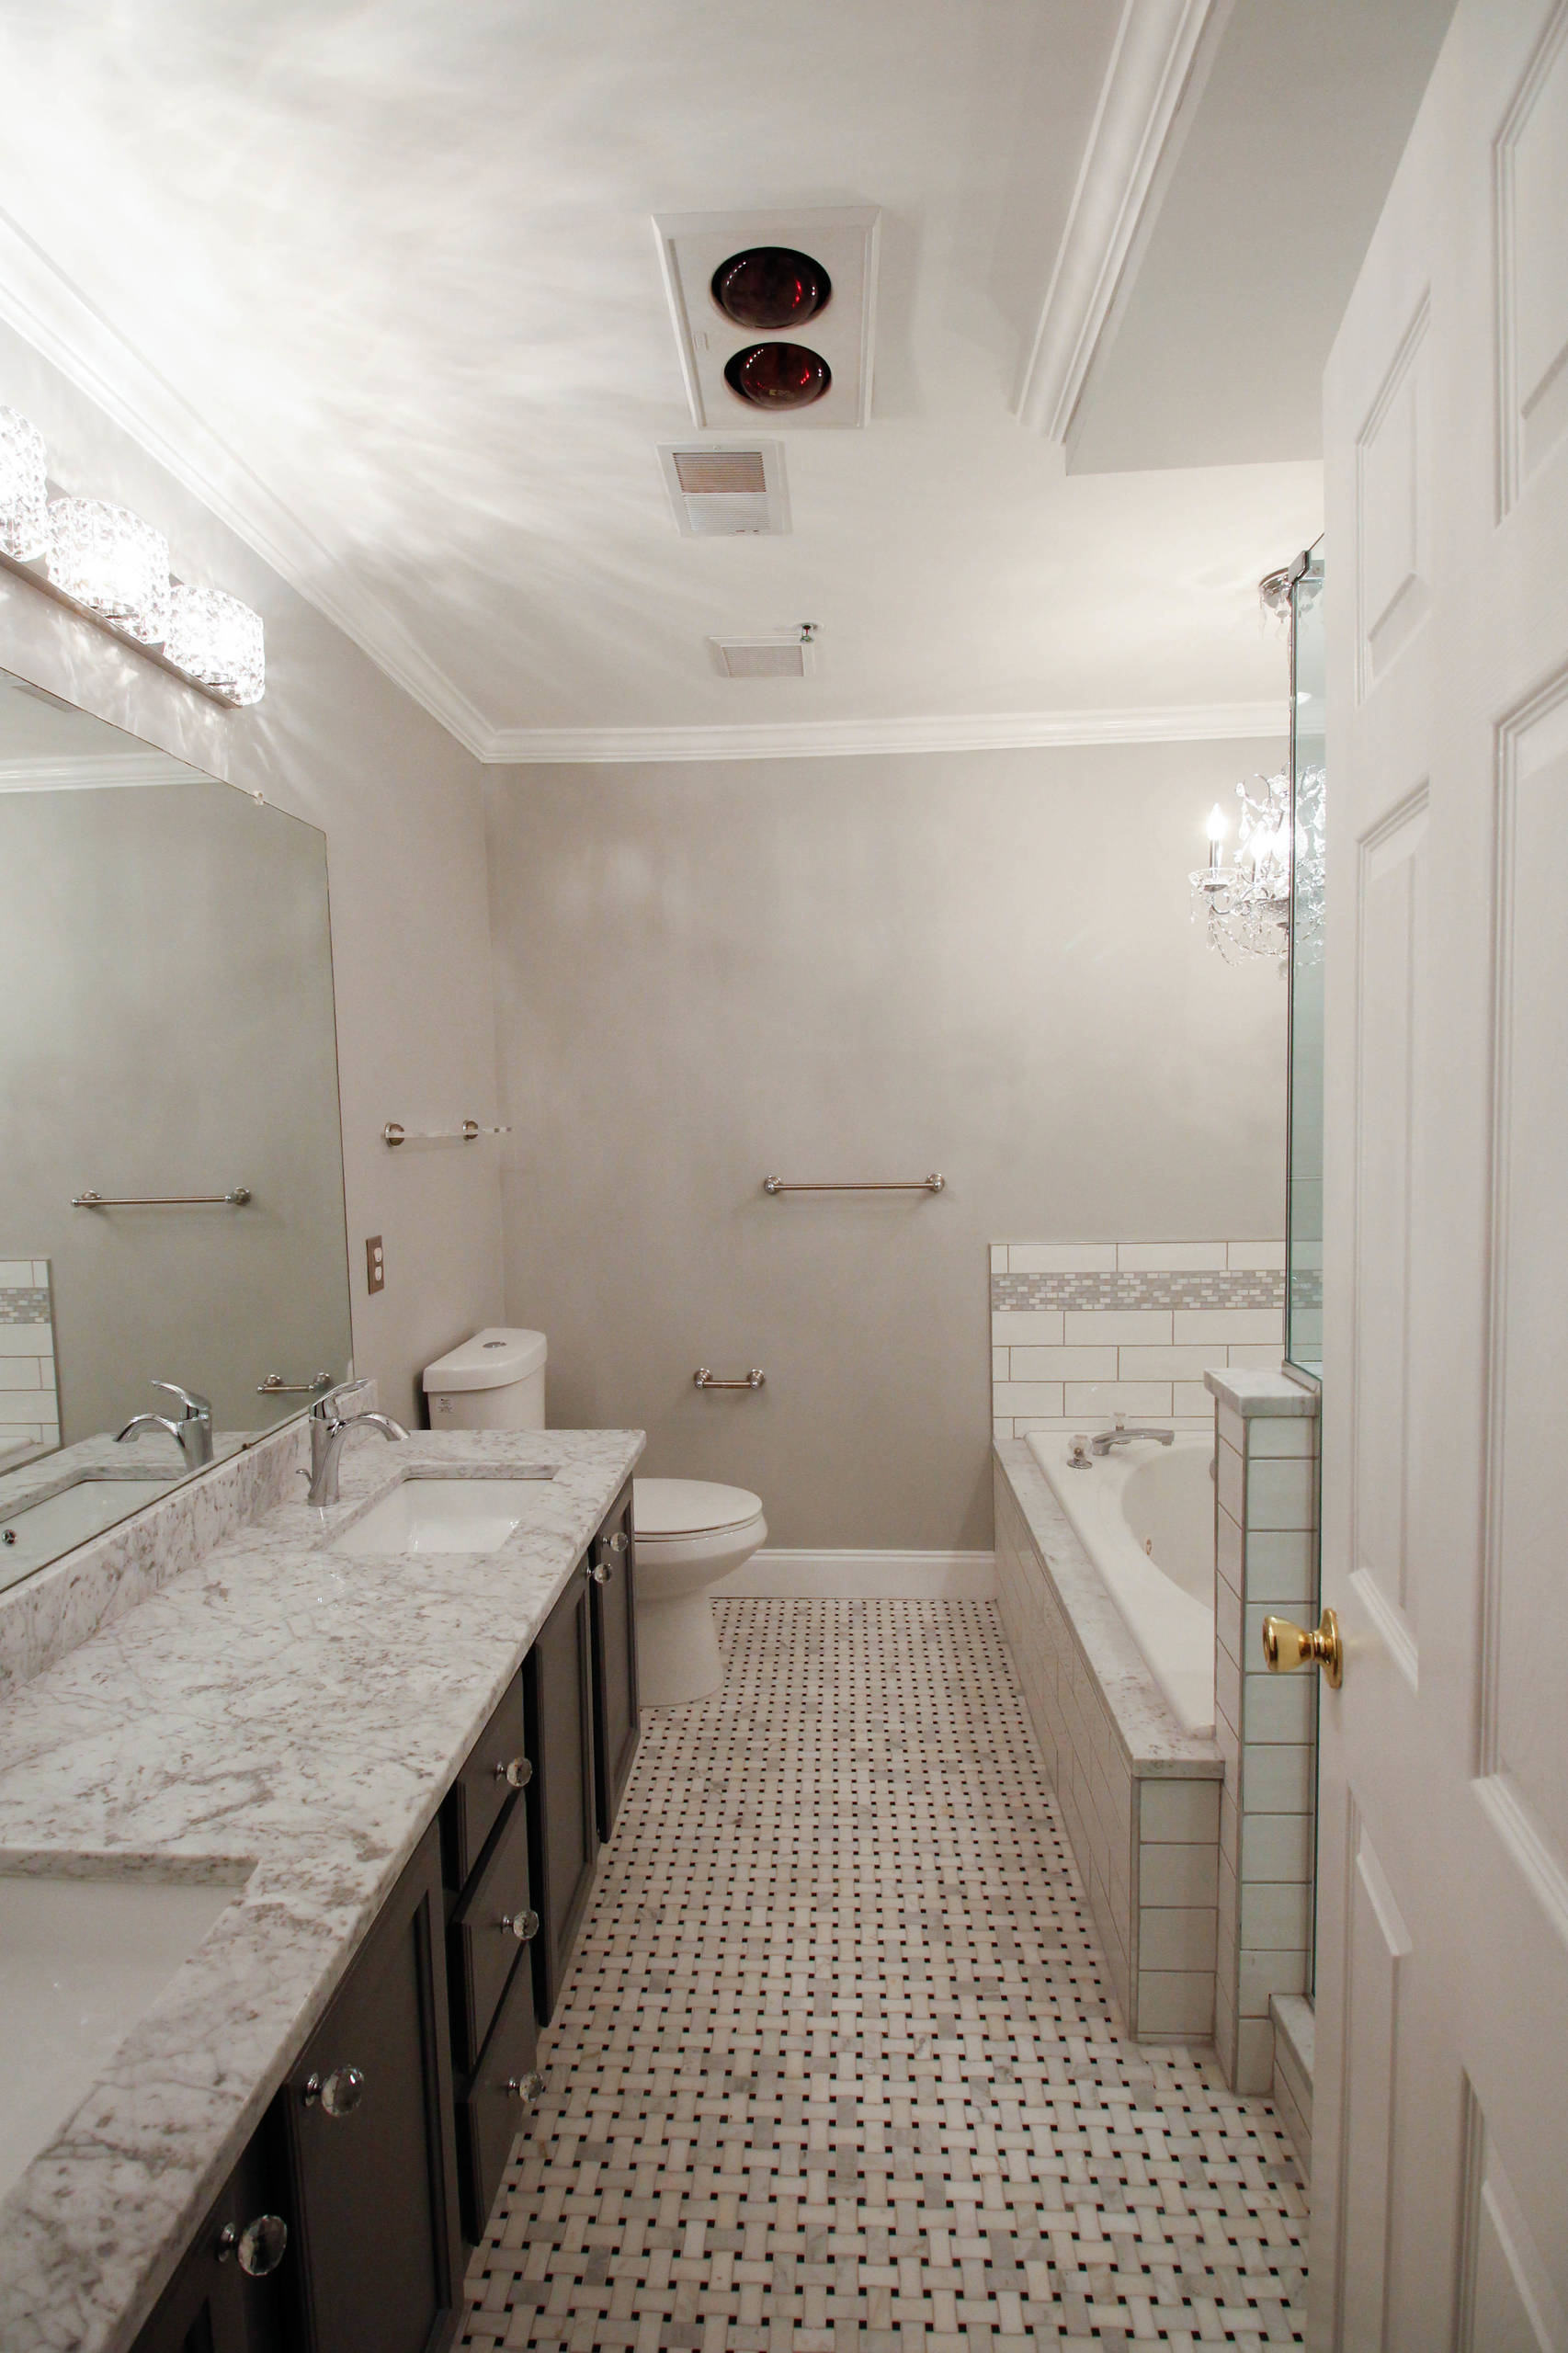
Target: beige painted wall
<point x="981" y="965"/>
<point x="400" y="803"/>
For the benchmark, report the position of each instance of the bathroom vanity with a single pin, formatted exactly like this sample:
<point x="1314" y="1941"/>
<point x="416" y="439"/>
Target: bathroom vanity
<point x="391" y="1772"/>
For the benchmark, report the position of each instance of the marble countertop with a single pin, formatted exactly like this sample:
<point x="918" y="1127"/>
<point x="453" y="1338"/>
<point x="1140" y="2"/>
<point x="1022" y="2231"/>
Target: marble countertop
<point x="285" y="1719"/>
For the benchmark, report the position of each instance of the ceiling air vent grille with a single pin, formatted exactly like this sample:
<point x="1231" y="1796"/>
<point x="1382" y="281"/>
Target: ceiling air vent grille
<point x="787" y="654"/>
<point x="727" y="493"/>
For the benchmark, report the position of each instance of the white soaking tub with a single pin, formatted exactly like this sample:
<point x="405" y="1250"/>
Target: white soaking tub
<point x="1144" y="1513"/>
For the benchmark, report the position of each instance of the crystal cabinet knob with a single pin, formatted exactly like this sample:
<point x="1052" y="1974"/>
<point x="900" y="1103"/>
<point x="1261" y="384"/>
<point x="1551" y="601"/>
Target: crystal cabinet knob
<point x="523" y="1925"/>
<point x="619" y="1541"/>
<point x="339" y="2093"/>
<point x="599" y="1572"/>
<point x="525" y="2087"/>
<point x="259" y="2248"/>
<point x="517" y="1772"/>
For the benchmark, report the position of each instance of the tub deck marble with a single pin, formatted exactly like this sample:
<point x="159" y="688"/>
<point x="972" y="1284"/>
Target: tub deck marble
<point x="1140" y="1796"/>
<point x="287" y="1719"/>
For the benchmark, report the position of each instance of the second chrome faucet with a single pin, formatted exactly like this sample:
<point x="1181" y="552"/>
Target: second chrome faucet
<point x="331" y="1429"/>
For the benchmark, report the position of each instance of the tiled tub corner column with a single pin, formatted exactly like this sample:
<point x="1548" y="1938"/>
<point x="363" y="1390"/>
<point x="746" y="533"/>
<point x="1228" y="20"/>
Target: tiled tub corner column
<point x="1265" y="1561"/>
<point x="1140" y="1799"/>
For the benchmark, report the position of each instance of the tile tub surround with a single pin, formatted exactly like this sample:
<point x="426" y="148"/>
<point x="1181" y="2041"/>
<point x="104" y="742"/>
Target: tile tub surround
<point x="1295" y="2041"/>
<point x="289" y="1716"/>
<point x="29" y="1404"/>
<point x="1266" y="1559"/>
<point x="1083" y="1330"/>
<point x="1140" y="1798"/>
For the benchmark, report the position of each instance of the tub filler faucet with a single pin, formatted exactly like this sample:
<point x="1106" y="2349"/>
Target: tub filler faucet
<point x="1121" y="1435"/>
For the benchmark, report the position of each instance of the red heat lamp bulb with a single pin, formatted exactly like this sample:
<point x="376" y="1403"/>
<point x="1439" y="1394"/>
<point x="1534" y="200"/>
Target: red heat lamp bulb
<point x="778" y="375"/>
<point x="771" y="287"/>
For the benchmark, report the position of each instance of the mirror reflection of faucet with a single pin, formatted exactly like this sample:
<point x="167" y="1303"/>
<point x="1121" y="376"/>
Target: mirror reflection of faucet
<point x="191" y="1432"/>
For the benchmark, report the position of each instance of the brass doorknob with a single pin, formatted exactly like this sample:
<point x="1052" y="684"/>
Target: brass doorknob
<point x="1286" y="1646"/>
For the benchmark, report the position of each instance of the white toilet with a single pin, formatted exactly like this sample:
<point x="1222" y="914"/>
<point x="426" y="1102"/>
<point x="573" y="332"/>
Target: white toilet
<point x="689" y="1533"/>
<point x="495" y="1381"/>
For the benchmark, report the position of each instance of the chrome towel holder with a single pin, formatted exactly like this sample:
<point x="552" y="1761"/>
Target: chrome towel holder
<point x="236" y="1200"/>
<point x="394" y="1133"/>
<point x="932" y="1184"/>
<point x="703" y="1379"/>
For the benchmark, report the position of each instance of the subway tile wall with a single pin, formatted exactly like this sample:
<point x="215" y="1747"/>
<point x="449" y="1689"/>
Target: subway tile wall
<point x="30" y="1407"/>
<point x="1082" y="1330"/>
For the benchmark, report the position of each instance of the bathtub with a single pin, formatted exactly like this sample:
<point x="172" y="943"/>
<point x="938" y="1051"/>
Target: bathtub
<point x="1145" y="1514"/>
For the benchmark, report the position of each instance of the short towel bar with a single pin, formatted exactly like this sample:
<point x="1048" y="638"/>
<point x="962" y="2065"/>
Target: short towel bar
<point x="703" y="1379"/>
<point x="932" y="1184"/>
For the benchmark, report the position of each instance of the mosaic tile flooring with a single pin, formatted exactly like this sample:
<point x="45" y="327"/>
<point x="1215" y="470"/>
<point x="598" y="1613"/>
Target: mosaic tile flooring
<point x="837" y="2065"/>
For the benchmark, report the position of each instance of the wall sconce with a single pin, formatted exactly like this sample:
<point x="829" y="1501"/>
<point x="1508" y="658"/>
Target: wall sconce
<point x="110" y="567"/>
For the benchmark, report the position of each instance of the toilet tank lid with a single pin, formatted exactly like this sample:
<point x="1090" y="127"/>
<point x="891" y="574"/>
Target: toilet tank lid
<point x="494" y="1359"/>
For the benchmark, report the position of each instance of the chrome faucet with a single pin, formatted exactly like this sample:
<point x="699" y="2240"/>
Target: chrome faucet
<point x="1121" y="1435"/>
<point x="192" y="1432"/>
<point x="331" y="1430"/>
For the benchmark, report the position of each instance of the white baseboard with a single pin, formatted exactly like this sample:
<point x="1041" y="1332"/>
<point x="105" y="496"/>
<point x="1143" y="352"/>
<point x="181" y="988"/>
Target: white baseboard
<point x="774" y="1574"/>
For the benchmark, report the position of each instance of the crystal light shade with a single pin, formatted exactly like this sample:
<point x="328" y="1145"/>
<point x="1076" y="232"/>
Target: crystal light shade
<point x="217" y="640"/>
<point x="110" y="561"/>
<point x="24" y="488"/>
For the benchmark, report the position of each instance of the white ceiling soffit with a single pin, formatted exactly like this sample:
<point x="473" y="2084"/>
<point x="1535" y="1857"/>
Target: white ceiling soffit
<point x="844" y="738"/>
<point x="1162" y="53"/>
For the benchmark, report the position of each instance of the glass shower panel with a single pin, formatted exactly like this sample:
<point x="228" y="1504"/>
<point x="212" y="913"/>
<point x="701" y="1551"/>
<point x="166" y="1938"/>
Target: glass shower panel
<point x="1303" y="1288"/>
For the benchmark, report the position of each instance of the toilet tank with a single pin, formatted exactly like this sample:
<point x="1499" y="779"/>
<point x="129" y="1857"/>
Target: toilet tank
<point x="495" y="1381"/>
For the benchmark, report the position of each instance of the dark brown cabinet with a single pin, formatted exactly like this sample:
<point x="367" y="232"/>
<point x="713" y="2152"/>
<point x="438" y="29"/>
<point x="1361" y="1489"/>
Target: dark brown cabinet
<point x="385" y="2148"/>
<point x="613" y="1573"/>
<point x="368" y="2137"/>
<point x="558" y="1684"/>
<point x="229" y="2294"/>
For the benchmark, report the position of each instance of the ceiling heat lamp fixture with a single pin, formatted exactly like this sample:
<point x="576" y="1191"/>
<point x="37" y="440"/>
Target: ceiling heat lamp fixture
<point x="774" y="310"/>
<point x="111" y="567"/>
<point x="1245" y="904"/>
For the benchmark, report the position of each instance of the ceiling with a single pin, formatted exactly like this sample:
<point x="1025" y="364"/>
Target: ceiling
<point x="380" y="279"/>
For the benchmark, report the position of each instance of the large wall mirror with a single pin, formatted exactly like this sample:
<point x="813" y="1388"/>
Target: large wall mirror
<point x="172" y="1204"/>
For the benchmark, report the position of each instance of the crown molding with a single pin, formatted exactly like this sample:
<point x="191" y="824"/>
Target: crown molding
<point x="1158" y="65"/>
<point x="840" y="738"/>
<point x="52" y="314"/>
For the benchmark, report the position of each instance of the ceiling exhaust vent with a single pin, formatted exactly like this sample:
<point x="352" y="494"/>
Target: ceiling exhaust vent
<point x="773" y="314"/>
<point x="786" y="654"/>
<point x="727" y="493"/>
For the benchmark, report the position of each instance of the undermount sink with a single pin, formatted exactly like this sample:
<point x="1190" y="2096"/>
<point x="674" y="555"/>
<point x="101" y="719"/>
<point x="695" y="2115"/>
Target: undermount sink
<point x="81" y="1960"/>
<point x="442" y="1516"/>
<point x="31" y="1534"/>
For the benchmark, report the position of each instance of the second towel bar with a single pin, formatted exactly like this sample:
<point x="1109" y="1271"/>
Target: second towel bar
<point x="703" y="1379"/>
<point x="932" y="1184"/>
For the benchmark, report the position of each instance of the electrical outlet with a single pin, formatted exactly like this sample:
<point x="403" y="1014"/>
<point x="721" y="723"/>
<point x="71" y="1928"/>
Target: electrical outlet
<point x="375" y="1264"/>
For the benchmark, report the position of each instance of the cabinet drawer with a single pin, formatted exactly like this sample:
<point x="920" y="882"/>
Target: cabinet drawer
<point x="484" y="1945"/>
<point x="497" y="1768"/>
<point x="496" y="2105"/>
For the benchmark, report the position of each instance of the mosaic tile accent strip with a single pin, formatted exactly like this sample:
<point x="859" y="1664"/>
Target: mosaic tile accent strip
<point x="837" y="2065"/>
<point x="25" y="1306"/>
<point x="1253" y="1288"/>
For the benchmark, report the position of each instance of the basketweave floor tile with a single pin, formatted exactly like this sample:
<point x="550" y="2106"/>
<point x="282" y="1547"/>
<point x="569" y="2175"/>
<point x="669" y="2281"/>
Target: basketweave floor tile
<point x="838" y="2063"/>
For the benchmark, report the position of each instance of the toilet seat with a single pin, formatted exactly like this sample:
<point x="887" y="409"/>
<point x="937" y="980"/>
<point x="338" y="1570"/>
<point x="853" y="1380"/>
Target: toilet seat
<point x="673" y="1511"/>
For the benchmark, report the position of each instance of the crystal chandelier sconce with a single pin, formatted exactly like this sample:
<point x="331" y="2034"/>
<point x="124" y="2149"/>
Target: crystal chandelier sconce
<point x="1245" y="901"/>
<point x="24" y="489"/>
<point x="108" y="564"/>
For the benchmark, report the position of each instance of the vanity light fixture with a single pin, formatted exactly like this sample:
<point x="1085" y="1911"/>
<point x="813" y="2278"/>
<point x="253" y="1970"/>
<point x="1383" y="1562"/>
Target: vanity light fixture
<point x="111" y="563"/>
<point x="111" y="567"/>
<point x="24" y="489"/>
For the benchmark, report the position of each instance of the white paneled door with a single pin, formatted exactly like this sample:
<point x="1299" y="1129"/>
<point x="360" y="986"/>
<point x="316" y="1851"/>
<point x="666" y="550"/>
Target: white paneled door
<point x="1441" y="2128"/>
